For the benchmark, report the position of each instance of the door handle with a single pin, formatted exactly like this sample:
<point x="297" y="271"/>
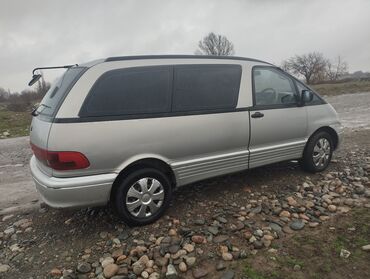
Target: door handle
<point x="257" y="114"/>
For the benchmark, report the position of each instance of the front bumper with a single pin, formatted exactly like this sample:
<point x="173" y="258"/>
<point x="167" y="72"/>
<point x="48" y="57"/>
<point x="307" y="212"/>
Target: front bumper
<point x="339" y="129"/>
<point x="80" y="191"/>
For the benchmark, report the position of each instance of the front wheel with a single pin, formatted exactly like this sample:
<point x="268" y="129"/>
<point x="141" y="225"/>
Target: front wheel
<point x="318" y="152"/>
<point x="143" y="196"/>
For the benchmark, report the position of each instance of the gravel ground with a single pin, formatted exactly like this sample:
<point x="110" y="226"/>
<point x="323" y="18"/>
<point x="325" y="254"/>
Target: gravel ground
<point x="211" y="228"/>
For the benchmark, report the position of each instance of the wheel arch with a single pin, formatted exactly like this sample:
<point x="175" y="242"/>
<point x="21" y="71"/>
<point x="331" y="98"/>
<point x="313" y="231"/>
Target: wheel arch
<point x="155" y="163"/>
<point x="330" y="131"/>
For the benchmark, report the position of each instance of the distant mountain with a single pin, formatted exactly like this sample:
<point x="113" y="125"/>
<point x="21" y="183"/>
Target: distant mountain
<point x="356" y="75"/>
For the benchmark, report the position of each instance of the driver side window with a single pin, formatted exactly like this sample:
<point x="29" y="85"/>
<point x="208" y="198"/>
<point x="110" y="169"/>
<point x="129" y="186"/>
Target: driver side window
<point x="273" y="88"/>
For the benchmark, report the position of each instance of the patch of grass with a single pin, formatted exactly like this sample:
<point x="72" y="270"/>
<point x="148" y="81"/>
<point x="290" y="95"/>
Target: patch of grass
<point x="332" y="89"/>
<point x="15" y="123"/>
<point x="250" y="273"/>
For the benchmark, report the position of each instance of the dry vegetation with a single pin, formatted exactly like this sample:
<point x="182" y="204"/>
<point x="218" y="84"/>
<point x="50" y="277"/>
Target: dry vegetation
<point x="331" y="89"/>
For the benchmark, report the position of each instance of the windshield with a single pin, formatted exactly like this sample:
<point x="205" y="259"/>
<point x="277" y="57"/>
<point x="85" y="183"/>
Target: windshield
<point x="55" y="95"/>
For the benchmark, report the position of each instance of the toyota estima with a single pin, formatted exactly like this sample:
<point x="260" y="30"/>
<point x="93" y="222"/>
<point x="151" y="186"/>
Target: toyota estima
<point x="130" y="130"/>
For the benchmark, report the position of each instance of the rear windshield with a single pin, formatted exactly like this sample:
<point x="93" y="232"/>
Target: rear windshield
<point x="55" y="95"/>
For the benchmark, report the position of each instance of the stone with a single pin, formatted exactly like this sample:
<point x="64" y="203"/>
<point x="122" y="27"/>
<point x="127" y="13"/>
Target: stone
<point x="285" y="214"/>
<point x="172" y="232"/>
<point x="56" y="272"/>
<point x="213" y="230"/>
<point x="190" y="261"/>
<point x="7" y="217"/>
<point x="161" y="261"/>
<point x="138" y="267"/>
<point x="297" y="225"/>
<point x="297" y="267"/>
<point x="366" y="247"/>
<point x="110" y="270"/>
<point x="171" y="272"/>
<point x="228" y="275"/>
<point x="220" y="266"/>
<point x="106" y="261"/>
<point x="332" y="208"/>
<point x="344" y="253"/>
<point x="83" y="267"/>
<point x="199" y="222"/>
<point x="227" y="256"/>
<point x="313" y="224"/>
<point x="199" y="272"/>
<point x="258" y="244"/>
<point x="188" y="248"/>
<point x="198" y="239"/>
<point x="154" y="275"/>
<point x="4" y="268"/>
<point x="9" y="231"/>
<point x="291" y="201"/>
<point x="220" y="238"/>
<point x="183" y="267"/>
<point x="144" y="274"/>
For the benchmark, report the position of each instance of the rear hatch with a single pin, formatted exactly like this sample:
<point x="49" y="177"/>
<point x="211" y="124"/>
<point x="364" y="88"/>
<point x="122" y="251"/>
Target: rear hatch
<point x="45" y="113"/>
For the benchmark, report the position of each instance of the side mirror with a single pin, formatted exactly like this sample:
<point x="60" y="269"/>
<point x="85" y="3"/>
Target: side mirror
<point x="306" y="96"/>
<point x="34" y="79"/>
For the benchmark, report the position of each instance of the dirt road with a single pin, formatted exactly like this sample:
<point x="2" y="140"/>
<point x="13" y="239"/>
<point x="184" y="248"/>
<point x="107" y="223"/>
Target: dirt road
<point x="18" y="191"/>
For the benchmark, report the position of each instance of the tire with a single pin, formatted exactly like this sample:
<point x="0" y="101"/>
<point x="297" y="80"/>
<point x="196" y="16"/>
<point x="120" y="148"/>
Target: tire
<point x="138" y="197"/>
<point x="318" y="152"/>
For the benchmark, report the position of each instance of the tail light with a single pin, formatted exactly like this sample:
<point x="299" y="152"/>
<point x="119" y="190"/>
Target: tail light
<point x="61" y="160"/>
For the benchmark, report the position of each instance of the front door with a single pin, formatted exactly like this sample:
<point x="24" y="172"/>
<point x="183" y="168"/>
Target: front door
<point x="278" y="124"/>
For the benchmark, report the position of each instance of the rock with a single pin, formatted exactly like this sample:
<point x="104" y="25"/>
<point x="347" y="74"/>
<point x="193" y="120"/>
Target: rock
<point x="291" y="201"/>
<point x="172" y="232"/>
<point x="9" y="231"/>
<point x="144" y="274"/>
<point x="110" y="270"/>
<point x="297" y="225"/>
<point x="220" y="238"/>
<point x="173" y="249"/>
<point x="183" y="267"/>
<point x="258" y="233"/>
<point x="198" y="239"/>
<point x="297" y="267"/>
<point x="220" y="266"/>
<point x="161" y="261"/>
<point x="228" y="275"/>
<point x="4" y="268"/>
<point x="154" y="275"/>
<point x="103" y="235"/>
<point x="227" y="256"/>
<point x="213" y="230"/>
<point x="106" y="261"/>
<point x="344" y="253"/>
<point x="332" y="208"/>
<point x="15" y="248"/>
<point x="199" y="272"/>
<point x="180" y="253"/>
<point x="138" y="267"/>
<point x="83" y="267"/>
<point x="258" y="244"/>
<point x="313" y="224"/>
<point x="171" y="272"/>
<point x="199" y="222"/>
<point x="359" y="189"/>
<point x="6" y="134"/>
<point x="275" y="227"/>
<point x="188" y="248"/>
<point x="7" y="217"/>
<point x="285" y="214"/>
<point x="190" y="261"/>
<point x="56" y="272"/>
<point x="366" y="247"/>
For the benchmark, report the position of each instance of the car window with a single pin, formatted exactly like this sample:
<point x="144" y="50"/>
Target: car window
<point x="130" y="91"/>
<point x="272" y="87"/>
<point x="58" y="91"/>
<point x="206" y="87"/>
<point x="315" y="100"/>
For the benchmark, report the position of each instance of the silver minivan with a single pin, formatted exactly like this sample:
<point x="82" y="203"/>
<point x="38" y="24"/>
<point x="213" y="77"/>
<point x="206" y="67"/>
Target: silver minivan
<point x="130" y="130"/>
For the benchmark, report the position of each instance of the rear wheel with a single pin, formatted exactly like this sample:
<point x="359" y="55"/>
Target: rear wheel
<point x="318" y="152"/>
<point x="143" y="196"/>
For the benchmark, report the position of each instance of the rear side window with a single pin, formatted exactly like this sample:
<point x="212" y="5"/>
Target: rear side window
<point x="205" y="87"/>
<point x="52" y="99"/>
<point x="130" y="91"/>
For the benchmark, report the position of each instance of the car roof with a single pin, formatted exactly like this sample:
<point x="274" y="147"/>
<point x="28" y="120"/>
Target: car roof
<point x="140" y="57"/>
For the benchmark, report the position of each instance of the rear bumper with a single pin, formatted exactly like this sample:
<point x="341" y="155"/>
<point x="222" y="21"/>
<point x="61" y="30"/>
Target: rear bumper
<point x="72" y="192"/>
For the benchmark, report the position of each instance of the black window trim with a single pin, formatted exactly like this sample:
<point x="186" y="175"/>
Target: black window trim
<point x="276" y="106"/>
<point x="171" y="67"/>
<point x="83" y="108"/>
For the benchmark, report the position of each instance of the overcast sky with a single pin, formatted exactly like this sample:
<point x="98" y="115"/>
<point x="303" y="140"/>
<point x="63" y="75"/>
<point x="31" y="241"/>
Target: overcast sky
<point x="43" y="33"/>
